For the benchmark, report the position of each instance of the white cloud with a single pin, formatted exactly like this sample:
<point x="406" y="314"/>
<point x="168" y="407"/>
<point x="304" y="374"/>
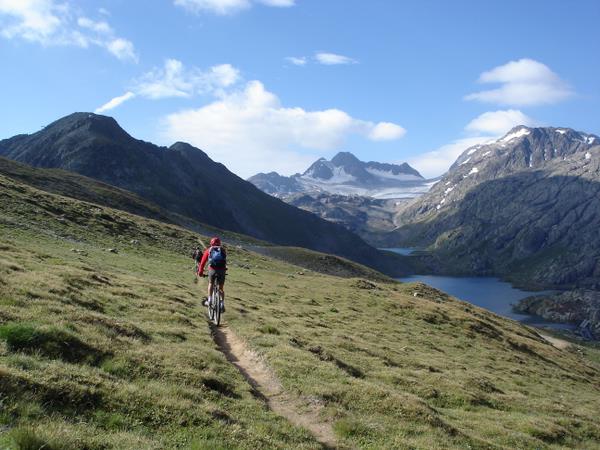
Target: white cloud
<point x="386" y="131"/>
<point x="331" y="59"/>
<point x="226" y="7"/>
<point x="47" y="22"/>
<point x="496" y="123"/>
<point x="113" y="103"/>
<point x="174" y="80"/>
<point x="250" y="131"/>
<point x="434" y="163"/>
<point x="297" y="60"/>
<point x="525" y="82"/>
<point x="32" y="20"/>
<point x="97" y="26"/>
<point x="122" y="49"/>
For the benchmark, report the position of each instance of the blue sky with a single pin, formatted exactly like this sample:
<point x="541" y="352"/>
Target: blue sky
<point x="266" y="85"/>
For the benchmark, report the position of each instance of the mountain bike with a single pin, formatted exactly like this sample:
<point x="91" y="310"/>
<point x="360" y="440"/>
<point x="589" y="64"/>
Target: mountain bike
<point x="215" y="304"/>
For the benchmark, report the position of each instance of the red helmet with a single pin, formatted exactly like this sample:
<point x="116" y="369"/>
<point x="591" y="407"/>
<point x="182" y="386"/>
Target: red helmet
<point x="215" y="242"/>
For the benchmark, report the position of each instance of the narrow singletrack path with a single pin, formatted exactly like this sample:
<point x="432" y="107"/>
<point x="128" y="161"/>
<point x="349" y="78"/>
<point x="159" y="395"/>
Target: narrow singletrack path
<point x="267" y="386"/>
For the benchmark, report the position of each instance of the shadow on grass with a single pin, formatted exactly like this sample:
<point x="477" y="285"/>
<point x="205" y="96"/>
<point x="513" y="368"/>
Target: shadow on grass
<point x="52" y="343"/>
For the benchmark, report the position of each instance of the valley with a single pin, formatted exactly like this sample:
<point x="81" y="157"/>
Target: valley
<point x="384" y="364"/>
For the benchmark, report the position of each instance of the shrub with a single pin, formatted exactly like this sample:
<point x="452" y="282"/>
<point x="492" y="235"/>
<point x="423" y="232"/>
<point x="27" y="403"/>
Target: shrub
<point x="268" y="329"/>
<point x="348" y="428"/>
<point x="27" y="439"/>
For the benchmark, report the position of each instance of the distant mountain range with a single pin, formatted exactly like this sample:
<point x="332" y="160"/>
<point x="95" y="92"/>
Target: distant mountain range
<point x="345" y="174"/>
<point x="526" y="206"/>
<point x="183" y="180"/>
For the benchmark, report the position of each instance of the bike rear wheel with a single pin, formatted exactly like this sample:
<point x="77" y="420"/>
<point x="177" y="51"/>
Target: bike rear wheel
<point x="216" y="304"/>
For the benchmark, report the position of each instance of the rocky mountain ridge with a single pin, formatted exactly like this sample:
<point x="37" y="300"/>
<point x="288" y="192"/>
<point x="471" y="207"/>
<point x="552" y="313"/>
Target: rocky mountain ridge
<point x="181" y="179"/>
<point x="345" y="174"/>
<point x="526" y="206"/>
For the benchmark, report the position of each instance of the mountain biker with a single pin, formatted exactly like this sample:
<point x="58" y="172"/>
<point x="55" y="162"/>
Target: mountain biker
<point x="216" y="257"/>
<point x="197" y="255"/>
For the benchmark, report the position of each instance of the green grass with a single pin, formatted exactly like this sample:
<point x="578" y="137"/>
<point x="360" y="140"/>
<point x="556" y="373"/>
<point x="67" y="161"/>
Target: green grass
<point x="386" y="368"/>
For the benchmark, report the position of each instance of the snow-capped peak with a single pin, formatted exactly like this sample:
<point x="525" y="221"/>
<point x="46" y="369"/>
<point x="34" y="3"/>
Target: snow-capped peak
<point x="515" y="133"/>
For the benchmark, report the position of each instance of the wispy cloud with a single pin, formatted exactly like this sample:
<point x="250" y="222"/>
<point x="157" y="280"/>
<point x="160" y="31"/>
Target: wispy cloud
<point x="297" y="60"/>
<point x="49" y="23"/>
<point x="113" y="103"/>
<point x="251" y="131"/>
<point x="525" y="82"/>
<point x="228" y="7"/>
<point x="175" y="80"/>
<point x="331" y="59"/>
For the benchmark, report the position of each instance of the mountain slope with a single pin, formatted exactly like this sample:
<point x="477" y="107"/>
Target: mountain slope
<point x="345" y="174"/>
<point x="182" y="180"/>
<point x="123" y="358"/>
<point x="525" y="206"/>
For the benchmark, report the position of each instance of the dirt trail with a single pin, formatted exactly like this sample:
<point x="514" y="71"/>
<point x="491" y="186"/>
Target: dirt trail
<point x="267" y="387"/>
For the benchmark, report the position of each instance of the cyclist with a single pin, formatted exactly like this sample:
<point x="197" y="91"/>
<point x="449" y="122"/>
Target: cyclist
<point x="197" y="255"/>
<point x="216" y="257"/>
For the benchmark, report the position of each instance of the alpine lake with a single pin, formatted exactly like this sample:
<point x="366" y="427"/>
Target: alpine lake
<point x="490" y="293"/>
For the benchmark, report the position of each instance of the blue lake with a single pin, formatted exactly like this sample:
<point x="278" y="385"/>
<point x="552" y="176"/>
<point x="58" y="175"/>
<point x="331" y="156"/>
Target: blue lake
<point x="490" y="293"/>
<point x="401" y="251"/>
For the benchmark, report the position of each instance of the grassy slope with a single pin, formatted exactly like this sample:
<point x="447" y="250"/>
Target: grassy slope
<point x="125" y="358"/>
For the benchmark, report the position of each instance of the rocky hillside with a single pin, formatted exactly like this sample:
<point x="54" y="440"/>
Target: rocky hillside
<point x="105" y="350"/>
<point x="364" y="216"/>
<point x="526" y="206"/>
<point x="345" y="174"/>
<point x="580" y="307"/>
<point x="182" y="180"/>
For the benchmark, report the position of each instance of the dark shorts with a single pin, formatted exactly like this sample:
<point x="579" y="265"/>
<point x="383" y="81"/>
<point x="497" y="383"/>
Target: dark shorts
<point x="216" y="274"/>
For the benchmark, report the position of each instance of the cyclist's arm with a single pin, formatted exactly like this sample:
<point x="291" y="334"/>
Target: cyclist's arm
<point x="203" y="262"/>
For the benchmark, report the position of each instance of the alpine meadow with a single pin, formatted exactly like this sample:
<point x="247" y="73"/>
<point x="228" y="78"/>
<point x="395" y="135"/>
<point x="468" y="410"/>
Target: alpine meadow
<point x="297" y="224"/>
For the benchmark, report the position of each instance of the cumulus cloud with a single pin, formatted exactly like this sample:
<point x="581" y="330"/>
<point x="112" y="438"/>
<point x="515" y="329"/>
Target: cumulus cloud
<point x="250" y="131"/>
<point x="227" y="7"/>
<point x="525" y="82"/>
<point x="297" y="60"/>
<point x="113" y="103"/>
<point x="386" y="131"/>
<point x="175" y="80"/>
<point x="331" y="59"/>
<point x="49" y="23"/>
<point x="486" y="127"/>
<point x="496" y="123"/>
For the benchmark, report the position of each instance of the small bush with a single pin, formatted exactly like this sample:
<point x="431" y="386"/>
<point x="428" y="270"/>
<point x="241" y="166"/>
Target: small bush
<point x="118" y="367"/>
<point x="110" y="421"/>
<point x="269" y="329"/>
<point x="349" y="428"/>
<point x="53" y="343"/>
<point x="27" y="439"/>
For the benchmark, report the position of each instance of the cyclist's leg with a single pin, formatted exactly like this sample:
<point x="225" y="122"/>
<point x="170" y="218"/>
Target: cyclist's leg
<point x="213" y="277"/>
<point x="221" y="280"/>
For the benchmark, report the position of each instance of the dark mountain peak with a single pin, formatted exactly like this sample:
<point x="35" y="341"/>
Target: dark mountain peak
<point x="319" y="169"/>
<point x="344" y="159"/>
<point x="88" y="123"/>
